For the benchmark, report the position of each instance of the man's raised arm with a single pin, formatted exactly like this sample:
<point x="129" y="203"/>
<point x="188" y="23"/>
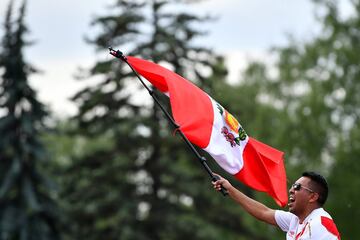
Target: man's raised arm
<point x="255" y="208"/>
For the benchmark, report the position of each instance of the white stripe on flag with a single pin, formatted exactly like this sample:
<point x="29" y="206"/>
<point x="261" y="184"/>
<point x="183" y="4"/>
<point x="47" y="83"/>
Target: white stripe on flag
<point x="227" y="156"/>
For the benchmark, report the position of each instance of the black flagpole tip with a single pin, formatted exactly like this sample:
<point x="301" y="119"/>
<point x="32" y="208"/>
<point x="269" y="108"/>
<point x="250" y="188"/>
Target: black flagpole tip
<point x="117" y="54"/>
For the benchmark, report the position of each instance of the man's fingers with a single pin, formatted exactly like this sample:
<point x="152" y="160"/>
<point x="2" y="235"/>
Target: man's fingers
<point x="218" y="184"/>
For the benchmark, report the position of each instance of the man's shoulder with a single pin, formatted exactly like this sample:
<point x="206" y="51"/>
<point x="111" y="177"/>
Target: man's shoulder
<point x="284" y="214"/>
<point x="318" y="217"/>
<point x="321" y="221"/>
<point x="284" y="219"/>
<point x="318" y="214"/>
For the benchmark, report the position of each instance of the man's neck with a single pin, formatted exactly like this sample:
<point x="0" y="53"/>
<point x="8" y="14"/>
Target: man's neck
<point x="306" y="213"/>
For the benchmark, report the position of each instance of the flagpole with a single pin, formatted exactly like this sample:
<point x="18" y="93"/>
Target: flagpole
<point x="202" y="159"/>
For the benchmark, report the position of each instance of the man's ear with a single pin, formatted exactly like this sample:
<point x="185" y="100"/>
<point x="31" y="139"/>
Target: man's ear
<point x="314" y="197"/>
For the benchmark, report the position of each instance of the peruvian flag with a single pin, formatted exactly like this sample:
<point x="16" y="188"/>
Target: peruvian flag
<point x="209" y="126"/>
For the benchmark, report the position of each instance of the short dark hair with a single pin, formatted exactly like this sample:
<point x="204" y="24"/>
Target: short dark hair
<point x="319" y="185"/>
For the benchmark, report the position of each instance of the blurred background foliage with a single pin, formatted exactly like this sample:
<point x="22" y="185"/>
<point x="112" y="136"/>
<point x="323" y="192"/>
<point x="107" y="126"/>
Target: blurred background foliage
<point x="115" y="170"/>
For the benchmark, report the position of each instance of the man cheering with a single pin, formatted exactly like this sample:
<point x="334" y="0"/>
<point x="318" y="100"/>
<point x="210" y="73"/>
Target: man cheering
<point x="306" y="218"/>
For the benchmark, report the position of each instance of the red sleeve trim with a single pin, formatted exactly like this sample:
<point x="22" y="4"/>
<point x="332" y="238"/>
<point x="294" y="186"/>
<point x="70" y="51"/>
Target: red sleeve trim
<point x="329" y="224"/>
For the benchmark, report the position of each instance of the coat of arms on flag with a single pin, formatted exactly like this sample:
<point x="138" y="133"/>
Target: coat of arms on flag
<point x="232" y="127"/>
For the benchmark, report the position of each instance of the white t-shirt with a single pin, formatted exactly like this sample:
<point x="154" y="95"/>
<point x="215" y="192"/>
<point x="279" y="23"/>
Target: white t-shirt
<point x="317" y="226"/>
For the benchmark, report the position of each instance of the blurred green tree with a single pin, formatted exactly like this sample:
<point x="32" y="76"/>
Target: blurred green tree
<point x="141" y="182"/>
<point x="27" y="209"/>
<point x="313" y="89"/>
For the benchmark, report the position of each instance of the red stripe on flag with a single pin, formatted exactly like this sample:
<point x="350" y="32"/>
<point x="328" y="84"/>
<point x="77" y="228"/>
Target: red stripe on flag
<point x="191" y="107"/>
<point x="264" y="170"/>
<point x="146" y="69"/>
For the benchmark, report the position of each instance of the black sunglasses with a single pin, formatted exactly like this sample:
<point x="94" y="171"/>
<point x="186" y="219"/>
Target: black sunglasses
<point x="298" y="186"/>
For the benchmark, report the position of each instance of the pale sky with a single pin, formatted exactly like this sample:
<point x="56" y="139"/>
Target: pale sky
<point x="245" y="30"/>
